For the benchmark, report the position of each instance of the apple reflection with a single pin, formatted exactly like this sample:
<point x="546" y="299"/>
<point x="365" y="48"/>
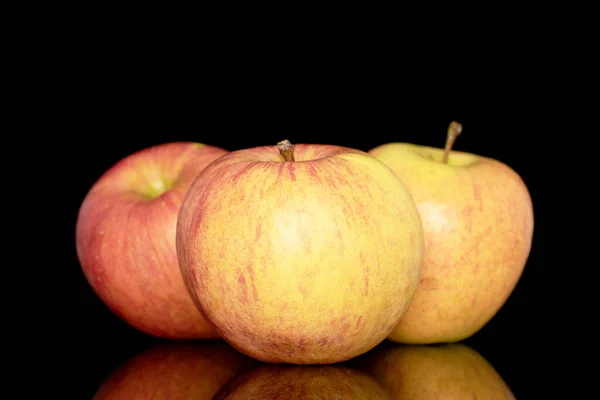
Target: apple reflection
<point x="281" y="381"/>
<point x="444" y="372"/>
<point x="175" y="371"/>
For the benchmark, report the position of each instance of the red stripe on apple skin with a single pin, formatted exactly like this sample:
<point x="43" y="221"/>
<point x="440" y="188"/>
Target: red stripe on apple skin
<point x="280" y="170"/>
<point x="291" y="168"/>
<point x="311" y="169"/>
<point x="251" y="275"/>
<point x="258" y="231"/>
<point x="243" y="171"/>
<point x="125" y="240"/>
<point x="244" y="290"/>
<point x="199" y="210"/>
<point x="358" y="322"/>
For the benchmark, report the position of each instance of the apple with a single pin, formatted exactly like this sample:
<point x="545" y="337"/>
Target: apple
<point x="175" y="371"/>
<point x="477" y="218"/>
<point x="306" y="254"/>
<point x="303" y="382"/>
<point x="125" y="239"/>
<point x="444" y="371"/>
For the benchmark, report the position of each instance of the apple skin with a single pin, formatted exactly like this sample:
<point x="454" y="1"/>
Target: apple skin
<point x="477" y="218"/>
<point x="125" y="239"/>
<point x="303" y="382"/>
<point x="175" y="371"/>
<point x="305" y="262"/>
<point x="446" y="371"/>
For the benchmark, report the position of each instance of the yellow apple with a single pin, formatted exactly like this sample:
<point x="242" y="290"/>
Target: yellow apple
<point x="303" y="382"/>
<point x="125" y="239"/>
<point x="306" y="255"/>
<point x="477" y="218"/>
<point x="441" y="372"/>
<point x="175" y="371"/>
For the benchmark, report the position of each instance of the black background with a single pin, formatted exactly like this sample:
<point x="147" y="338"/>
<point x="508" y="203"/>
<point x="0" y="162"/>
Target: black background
<point x="114" y="101"/>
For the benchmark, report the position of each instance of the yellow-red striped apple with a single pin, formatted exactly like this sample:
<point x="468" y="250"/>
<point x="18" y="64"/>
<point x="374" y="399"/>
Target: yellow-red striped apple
<point x="125" y="239"/>
<point x="175" y="371"/>
<point x="477" y="218"/>
<point x="300" y="254"/>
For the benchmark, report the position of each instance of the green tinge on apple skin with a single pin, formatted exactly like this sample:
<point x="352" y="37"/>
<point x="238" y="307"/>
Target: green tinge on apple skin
<point x="155" y="188"/>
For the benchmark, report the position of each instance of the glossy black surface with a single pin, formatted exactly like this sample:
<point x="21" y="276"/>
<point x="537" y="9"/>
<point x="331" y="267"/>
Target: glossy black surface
<point x="117" y="118"/>
<point x="389" y="371"/>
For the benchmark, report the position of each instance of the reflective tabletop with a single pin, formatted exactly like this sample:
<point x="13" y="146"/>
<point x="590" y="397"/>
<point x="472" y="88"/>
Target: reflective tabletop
<point x="137" y="366"/>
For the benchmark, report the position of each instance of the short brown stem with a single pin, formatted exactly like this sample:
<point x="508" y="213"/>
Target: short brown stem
<point x="286" y="149"/>
<point x="453" y="131"/>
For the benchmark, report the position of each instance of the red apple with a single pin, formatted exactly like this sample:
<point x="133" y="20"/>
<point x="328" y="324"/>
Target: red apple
<point x="305" y="255"/>
<point x="125" y="238"/>
<point x="175" y="371"/>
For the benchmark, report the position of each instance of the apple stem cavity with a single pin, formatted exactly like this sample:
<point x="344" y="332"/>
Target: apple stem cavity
<point x="286" y="149"/>
<point x="453" y="131"/>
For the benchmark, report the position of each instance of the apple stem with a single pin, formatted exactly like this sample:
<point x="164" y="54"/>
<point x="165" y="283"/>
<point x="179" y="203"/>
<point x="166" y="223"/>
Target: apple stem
<point x="453" y="131"/>
<point x="286" y="149"/>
